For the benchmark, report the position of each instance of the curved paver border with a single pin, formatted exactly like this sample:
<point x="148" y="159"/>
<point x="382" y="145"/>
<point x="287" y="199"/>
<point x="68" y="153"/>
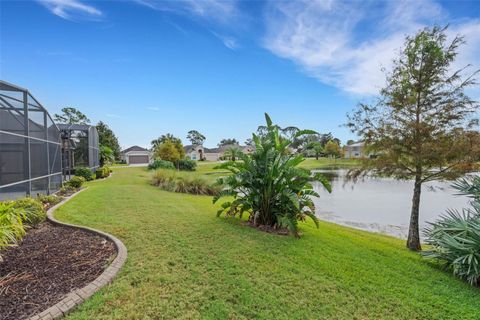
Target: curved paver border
<point x="76" y="297"/>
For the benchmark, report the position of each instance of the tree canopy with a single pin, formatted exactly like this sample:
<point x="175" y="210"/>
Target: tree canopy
<point x="107" y="138"/>
<point x="227" y="141"/>
<point x="422" y="126"/>
<point x="71" y="116"/>
<point x="195" y="138"/>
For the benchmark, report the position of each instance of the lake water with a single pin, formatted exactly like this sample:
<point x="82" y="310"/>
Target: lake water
<point x="381" y="204"/>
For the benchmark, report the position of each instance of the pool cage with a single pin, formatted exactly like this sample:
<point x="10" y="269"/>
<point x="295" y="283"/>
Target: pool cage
<point x="30" y="145"/>
<point x="79" y="147"/>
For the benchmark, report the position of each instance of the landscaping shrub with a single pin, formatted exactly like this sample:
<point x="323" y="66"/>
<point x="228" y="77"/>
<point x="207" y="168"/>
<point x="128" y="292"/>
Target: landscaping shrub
<point x="66" y="190"/>
<point x="187" y="165"/>
<point x="455" y="237"/>
<point x="34" y="212"/>
<point x="102" y="172"/>
<point x="268" y="185"/>
<point x="164" y="179"/>
<point x="195" y="185"/>
<point x="84" y="172"/>
<point x="170" y="180"/>
<point x="11" y="225"/>
<point x="161" y="164"/>
<point x="49" y="201"/>
<point x="76" y="182"/>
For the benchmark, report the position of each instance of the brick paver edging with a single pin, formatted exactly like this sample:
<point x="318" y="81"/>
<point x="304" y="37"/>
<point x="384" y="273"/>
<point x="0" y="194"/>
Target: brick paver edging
<point x="76" y="297"/>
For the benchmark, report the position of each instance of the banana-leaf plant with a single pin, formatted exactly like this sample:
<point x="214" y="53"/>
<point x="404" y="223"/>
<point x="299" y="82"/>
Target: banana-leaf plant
<point x="268" y="184"/>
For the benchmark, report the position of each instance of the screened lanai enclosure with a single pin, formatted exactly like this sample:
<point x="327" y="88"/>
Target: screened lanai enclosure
<point x="30" y="145"/>
<point x="79" y="146"/>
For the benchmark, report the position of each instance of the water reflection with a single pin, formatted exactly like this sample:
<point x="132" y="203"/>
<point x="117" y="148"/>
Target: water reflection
<point x="382" y="204"/>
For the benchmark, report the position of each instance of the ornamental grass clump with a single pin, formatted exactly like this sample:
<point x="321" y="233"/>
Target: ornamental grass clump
<point x="268" y="185"/>
<point x="455" y="237"/>
<point x="11" y="225"/>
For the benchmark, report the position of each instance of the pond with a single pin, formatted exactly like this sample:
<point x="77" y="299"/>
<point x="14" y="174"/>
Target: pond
<point x="381" y="204"/>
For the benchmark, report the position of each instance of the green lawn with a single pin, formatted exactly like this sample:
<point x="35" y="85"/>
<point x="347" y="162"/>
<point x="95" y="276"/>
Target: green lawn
<point x="185" y="263"/>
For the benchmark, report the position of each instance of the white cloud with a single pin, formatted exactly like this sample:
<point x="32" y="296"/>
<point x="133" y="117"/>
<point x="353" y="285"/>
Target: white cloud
<point x="218" y="10"/>
<point x="228" y="41"/>
<point x="346" y="44"/>
<point x="71" y="9"/>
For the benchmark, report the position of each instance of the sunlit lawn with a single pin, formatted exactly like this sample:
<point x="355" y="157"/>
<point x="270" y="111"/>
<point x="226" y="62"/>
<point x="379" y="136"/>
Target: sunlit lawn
<point x="185" y="263"/>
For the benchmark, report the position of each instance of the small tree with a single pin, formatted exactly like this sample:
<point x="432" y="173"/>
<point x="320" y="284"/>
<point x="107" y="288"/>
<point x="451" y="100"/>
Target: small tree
<point x="233" y="153"/>
<point x="227" y="142"/>
<point x="420" y="127"/>
<point x="171" y="138"/>
<point x="168" y="151"/>
<point x="317" y="149"/>
<point x="107" y="138"/>
<point x="195" y="137"/>
<point x="71" y="116"/>
<point x="106" y="155"/>
<point x="332" y="149"/>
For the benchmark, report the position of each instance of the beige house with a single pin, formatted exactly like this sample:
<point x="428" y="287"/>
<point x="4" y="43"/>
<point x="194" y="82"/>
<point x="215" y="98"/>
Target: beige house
<point x="136" y="155"/>
<point x="355" y="150"/>
<point x="212" y="154"/>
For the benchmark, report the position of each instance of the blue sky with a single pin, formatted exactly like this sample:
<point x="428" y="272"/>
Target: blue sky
<point x="151" y="67"/>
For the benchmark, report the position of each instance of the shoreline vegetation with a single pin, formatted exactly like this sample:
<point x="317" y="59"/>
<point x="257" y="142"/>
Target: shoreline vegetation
<point x="186" y="263"/>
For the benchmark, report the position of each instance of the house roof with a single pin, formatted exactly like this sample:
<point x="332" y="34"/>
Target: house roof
<point x="357" y="144"/>
<point x="134" y="148"/>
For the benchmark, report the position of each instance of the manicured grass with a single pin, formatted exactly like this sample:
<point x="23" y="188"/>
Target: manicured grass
<point x="328" y="163"/>
<point x="185" y="263"/>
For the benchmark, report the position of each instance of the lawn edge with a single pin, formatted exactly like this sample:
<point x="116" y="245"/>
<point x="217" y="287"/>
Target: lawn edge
<point x="78" y="296"/>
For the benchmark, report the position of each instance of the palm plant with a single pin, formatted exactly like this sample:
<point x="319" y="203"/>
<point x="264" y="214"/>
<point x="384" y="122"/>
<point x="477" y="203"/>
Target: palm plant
<point x="233" y="153"/>
<point x="269" y="185"/>
<point x="455" y="237"/>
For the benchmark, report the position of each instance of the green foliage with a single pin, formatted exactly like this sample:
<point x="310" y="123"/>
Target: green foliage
<point x="269" y="185"/>
<point x="167" y="151"/>
<point x="187" y="165"/>
<point x="33" y="210"/>
<point x="71" y="116"/>
<point x="233" y="153"/>
<point x="102" y="172"/>
<point x="76" y="182"/>
<point x="67" y="189"/>
<point x="332" y="148"/>
<point x="157" y="143"/>
<point x="49" y="200"/>
<point x="173" y="181"/>
<point x="421" y="125"/>
<point x="11" y="225"/>
<point x="107" y="138"/>
<point x="227" y="142"/>
<point x="455" y="237"/>
<point x="195" y="137"/>
<point x="84" y="172"/>
<point x="107" y="156"/>
<point x="161" y="164"/>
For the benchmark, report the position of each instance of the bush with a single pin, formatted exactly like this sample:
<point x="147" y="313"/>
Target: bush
<point x="164" y="179"/>
<point x="102" y="172"/>
<point x="161" y="164"/>
<point x="187" y="165"/>
<point x="66" y="190"/>
<point x="49" y="200"/>
<point x="76" y="182"/>
<point x="268" y="185"/>
<point x="195" y="185"/>
<point x="84" y="172"/>
<point x="455" y="237"/>
<point x="170" y="180"/>
<point x="34" y="212"/>
<point x="11" y="225"/>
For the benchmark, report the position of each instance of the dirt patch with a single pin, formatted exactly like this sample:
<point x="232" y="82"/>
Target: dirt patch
<point x="269" y="229"/>
<point x="50" y="262"/>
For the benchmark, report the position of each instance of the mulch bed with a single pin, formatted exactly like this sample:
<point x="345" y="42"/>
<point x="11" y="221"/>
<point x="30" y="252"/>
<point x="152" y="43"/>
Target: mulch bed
<point x="50" y="262"/>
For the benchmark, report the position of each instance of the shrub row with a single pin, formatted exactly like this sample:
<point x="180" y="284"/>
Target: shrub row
<point x="169" y="180"/>
<point x="184" y="165"/>
<point x="102" y="172"/>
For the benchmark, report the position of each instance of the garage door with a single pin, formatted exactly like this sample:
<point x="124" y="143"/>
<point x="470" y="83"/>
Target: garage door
<point x="137" y="159"/>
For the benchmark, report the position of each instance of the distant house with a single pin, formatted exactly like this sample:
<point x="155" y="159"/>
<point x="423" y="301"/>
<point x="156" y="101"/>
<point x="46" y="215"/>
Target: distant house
<point x="212" y="154"/>
<point x="355" y="150"/>
<point x="136" y="155"/>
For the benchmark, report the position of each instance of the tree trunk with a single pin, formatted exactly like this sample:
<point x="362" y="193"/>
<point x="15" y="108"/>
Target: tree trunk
<point x="413" y="241"/>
